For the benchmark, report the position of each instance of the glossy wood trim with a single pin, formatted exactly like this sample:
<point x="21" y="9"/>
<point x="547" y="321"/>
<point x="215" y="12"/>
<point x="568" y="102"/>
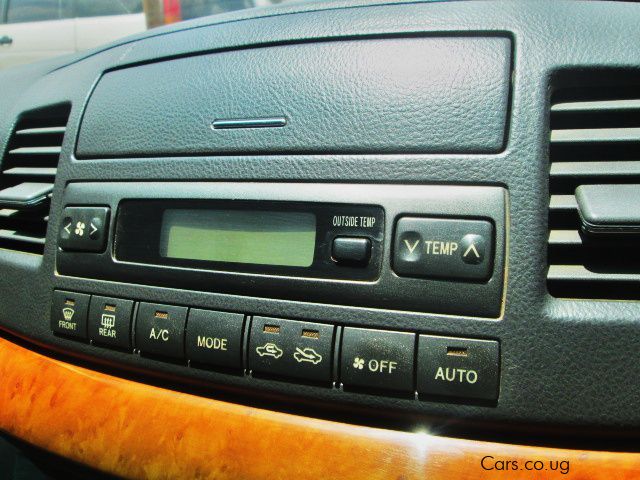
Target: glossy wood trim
<point x="140" y="431"/>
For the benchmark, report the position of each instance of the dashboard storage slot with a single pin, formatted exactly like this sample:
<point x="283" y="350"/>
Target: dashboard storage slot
<point x="390" y="95"/>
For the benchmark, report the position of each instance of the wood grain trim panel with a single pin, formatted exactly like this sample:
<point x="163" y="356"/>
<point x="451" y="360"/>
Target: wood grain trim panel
<point x="141" y="431"/>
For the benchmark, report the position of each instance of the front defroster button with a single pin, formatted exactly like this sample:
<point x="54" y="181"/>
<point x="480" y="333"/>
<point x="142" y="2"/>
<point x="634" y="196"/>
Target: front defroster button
<point x="69" y="312"/>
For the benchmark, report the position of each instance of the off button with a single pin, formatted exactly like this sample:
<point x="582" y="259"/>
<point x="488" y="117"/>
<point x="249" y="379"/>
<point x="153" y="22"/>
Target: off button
<point x="444" y="248"/>
<point x="377" y="359"/>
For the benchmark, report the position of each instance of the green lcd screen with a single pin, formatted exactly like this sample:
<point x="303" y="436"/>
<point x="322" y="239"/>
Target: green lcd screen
<point x="239" y="236"/>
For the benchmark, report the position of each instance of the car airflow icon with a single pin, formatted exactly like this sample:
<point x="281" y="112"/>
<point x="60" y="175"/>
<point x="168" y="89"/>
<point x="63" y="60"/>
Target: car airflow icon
<point x="308" y="355"/>
<point x="269" y="350"/>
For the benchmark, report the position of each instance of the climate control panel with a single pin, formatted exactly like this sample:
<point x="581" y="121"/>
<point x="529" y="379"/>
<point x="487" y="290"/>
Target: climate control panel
<point x="324" y="354"/>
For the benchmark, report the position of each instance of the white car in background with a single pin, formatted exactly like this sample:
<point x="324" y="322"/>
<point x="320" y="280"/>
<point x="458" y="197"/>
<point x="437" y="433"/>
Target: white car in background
<point x="32" y="30"/>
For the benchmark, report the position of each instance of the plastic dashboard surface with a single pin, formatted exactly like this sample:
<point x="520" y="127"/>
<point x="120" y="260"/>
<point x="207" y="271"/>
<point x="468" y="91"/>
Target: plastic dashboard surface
<point x="563" y="363"/>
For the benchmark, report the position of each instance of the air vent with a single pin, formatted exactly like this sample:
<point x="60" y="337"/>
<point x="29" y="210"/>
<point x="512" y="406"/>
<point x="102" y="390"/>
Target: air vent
<point x="595" y="141"/>
<point x="26" y="181"/>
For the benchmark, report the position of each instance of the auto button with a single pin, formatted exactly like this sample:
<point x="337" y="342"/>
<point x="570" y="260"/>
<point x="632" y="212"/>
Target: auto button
<point x="458" y="367"/>
<point x="292" y="349"/>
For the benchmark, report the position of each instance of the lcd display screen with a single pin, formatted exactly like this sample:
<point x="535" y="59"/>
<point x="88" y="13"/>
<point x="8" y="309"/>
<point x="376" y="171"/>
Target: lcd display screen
<point x="239" y="236"/>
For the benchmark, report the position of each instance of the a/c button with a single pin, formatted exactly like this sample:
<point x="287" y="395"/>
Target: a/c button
<point x="377" y="359"/>
<point x="160" y="330"/>
<point x="215" y="338"/>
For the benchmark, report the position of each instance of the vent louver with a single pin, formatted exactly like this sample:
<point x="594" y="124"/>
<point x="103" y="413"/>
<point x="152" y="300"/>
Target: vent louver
<point x="26" y="180"/>
<point x="595" y="140"/>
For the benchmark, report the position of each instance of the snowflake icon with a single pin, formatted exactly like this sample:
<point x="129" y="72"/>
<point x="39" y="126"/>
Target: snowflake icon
<point x="358" y="363"/>
<point x="80" y="226"/>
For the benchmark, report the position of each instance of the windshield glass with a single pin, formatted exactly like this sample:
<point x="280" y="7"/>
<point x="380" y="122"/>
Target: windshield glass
<point x="33" y="30"/>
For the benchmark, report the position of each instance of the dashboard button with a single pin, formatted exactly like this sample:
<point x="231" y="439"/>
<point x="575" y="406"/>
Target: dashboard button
<point x="69" y="313"/>
<point x="453" y="249"/>
<point x="351" y="250"/>
<point x="215" y="338"/>
<point x="458" y="367"/>
<point x="160" y="329"/>
<point x="292" y="349"/>
<point x="84" y="229"/>
<point x="377" y="359"/>
<point x="110" y="321"/>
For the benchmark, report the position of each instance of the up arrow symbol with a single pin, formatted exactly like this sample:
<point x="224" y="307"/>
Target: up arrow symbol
<point x="472" y="248"/>
<point x="410" y="247"/>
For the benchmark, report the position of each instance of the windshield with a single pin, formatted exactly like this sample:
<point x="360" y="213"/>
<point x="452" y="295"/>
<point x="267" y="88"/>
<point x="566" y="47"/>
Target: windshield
<point x="33" y="30"/>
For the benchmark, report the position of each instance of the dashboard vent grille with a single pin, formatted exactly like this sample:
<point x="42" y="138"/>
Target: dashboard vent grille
<point x="595" y="140"/>
<point x="28" y="172"/>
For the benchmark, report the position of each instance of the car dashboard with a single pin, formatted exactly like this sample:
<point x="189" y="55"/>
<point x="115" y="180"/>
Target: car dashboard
<point x="343" y="238"/>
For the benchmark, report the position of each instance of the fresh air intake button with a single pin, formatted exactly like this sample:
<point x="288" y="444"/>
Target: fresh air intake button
<point x="292" y="349"/>
<point x="452" y="249"/>
<point x="110" y="321"/>
<point x="69" y="313"/>
<point x="215" y="338"/>
<point x="458" y="367"/>
<point x="160" y="329"/>
<point x="377" y="359"/>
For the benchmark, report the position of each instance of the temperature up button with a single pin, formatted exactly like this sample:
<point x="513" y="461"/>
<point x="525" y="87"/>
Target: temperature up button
<point x="444" y="248"/>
